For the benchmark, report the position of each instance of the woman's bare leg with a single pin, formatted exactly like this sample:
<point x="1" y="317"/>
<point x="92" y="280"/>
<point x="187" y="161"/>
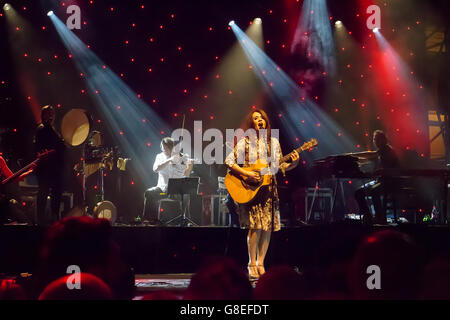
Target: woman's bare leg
<point x="263" y="245"/>
<point x="253" y="239"/>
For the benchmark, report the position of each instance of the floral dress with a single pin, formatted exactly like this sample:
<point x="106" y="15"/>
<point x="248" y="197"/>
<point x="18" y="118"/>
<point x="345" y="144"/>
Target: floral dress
<point x="263" y="211"/>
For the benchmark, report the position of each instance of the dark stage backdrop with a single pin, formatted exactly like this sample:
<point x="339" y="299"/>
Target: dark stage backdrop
<point x="172" y="55"/>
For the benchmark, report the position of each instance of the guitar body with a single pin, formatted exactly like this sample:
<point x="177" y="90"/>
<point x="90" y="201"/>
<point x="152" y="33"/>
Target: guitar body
<point x="241" y="189"/>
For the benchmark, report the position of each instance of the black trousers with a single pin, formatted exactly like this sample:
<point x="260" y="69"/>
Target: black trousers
<point x="49" y="185"/>
<point x="232" y="209"/>
<point x="151" y="198"/>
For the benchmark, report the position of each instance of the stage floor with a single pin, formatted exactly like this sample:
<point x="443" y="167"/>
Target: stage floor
<point x="155" y="282"/>
<point x="167" y="251"/>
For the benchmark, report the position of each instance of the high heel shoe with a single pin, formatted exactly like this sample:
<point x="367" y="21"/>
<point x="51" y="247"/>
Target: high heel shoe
<point x="253" y="273"/>
<point x="260" y="269"/>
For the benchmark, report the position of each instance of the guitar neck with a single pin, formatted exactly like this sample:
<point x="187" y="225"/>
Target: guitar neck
<point x="18" y="173"/>
<point x="288" y="156"/>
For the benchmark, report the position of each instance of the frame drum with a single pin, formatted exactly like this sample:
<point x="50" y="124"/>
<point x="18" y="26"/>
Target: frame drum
<point x="106" y="210"/>
<point x="75" y="127"/>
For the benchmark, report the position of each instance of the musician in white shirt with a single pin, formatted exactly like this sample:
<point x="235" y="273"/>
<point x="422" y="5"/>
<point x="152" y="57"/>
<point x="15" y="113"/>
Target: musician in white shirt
<point x="168" y="164"/>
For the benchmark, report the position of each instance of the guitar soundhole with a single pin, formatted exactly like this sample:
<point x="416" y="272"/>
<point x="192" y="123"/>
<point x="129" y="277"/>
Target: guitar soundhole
<point x="250" y="185"/>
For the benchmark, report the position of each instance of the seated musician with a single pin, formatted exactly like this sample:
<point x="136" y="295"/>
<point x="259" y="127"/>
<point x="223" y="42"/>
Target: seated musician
<point x="168" y="164"/>
<point x="8" y="205"/>
<point x="385" y="158"/>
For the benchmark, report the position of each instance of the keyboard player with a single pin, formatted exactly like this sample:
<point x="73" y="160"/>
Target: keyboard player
<point x="385" y="158"/>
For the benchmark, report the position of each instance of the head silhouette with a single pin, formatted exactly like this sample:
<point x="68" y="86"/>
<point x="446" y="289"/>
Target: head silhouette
<point x="47" y="115"/>
<point x="281" y="283"/>
<point x="219" y="279"/>
<point x="90" y="288"/>
<point x="388" y="259"/>
<point x="87" y="243"/>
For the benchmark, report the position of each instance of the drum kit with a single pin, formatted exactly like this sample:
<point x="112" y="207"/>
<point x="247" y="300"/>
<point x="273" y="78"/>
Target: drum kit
<point x="76" y="130"/>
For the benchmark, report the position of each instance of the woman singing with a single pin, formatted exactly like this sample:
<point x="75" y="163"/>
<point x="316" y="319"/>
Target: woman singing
<point x="261" y="215"/>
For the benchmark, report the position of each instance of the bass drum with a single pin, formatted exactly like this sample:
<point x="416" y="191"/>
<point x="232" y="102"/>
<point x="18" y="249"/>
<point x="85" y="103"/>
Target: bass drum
<point x="106" y="210"/>
<point x="75" y="127"/>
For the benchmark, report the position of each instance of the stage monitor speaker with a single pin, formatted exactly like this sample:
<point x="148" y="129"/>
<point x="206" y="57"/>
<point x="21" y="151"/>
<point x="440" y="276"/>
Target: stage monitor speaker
<point x="171" y="208"/>
<point x="168" y="209"/>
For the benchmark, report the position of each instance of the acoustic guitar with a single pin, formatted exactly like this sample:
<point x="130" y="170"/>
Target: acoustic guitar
<point x="243" y="190"/>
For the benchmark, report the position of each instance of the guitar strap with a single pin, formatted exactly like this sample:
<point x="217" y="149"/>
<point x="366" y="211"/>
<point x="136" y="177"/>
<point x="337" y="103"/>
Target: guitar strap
<point x="247" y="150"/>
<point x="273" y="186"/>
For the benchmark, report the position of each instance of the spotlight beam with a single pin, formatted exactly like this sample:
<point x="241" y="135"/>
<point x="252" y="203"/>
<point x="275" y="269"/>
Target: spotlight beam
<point x="302" y="116"/>
<point x="131" y="122"/>
<point x="314" y="34"/>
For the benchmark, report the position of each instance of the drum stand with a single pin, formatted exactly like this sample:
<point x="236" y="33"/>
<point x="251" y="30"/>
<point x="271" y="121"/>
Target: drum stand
<point x="102" y="191"/>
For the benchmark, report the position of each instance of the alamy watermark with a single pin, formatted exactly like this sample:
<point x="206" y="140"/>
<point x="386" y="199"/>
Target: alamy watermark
<point x="74" y="280"/>
<point x="213" y="153"/>
<point x="74" y="20"/>
<point x="374" y="20"/>
<point x="374" y="280"/>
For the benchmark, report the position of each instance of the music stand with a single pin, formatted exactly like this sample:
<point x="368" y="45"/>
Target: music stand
<point x="183" y="186"/>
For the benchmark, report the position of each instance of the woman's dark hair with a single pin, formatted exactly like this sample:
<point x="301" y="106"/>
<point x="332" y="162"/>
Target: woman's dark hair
<point x="249" y="120"/>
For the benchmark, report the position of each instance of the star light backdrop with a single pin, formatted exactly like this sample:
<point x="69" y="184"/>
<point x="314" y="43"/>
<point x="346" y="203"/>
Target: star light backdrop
<point x="160" y="61"/>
